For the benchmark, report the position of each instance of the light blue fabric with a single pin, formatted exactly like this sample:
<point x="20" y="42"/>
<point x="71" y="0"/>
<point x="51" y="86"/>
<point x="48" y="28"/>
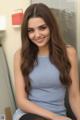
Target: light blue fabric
<point x="46" y="88"/>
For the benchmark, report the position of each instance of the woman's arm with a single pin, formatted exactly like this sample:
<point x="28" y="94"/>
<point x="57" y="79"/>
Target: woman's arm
<point x="74" y="91"/>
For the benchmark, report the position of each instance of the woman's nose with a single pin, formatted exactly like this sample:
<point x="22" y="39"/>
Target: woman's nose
<point x="37" y="33"/>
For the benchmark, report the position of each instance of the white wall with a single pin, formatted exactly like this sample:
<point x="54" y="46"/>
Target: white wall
<point x="11" y="42"/>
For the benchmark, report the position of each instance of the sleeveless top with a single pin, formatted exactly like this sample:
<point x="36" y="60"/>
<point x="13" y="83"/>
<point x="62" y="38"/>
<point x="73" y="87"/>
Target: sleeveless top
<point x="46" y="90"/>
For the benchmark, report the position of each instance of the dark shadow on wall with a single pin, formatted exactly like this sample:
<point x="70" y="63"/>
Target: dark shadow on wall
<point x="67" y="24"/>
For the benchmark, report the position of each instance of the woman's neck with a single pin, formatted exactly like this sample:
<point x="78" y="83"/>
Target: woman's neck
<point x="44" y="51"/>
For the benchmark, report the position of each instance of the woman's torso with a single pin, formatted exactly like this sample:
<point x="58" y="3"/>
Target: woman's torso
<point x="46" y="88"/>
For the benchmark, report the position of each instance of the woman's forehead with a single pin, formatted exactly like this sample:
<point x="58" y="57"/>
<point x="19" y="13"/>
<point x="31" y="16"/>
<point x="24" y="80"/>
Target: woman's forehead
<point x="35" y="22"/>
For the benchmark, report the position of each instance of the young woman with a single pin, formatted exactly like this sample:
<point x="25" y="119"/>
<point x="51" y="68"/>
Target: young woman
<point x="45" y="67"/>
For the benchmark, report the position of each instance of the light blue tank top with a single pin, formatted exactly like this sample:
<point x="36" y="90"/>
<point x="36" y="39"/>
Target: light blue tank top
<point x="46" y="89"/>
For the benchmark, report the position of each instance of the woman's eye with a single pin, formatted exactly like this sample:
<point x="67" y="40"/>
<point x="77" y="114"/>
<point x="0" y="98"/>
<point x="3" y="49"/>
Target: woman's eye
<point x="30" y="30"/>
<point x="43" y="27"/>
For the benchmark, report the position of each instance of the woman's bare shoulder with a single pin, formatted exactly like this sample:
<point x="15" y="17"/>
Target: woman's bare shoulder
<point x="17" y="55"/>
<point x="71" y="51"/>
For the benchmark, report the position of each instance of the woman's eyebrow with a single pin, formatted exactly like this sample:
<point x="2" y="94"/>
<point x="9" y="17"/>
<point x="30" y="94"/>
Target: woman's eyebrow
<point x="43" y="25"/>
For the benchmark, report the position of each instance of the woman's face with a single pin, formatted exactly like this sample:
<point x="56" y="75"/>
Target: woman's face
<point x="38" y="31"/>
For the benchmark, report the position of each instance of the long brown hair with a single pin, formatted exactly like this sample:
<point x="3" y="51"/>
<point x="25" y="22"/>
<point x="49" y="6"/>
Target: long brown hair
<point x="57" y="48"/>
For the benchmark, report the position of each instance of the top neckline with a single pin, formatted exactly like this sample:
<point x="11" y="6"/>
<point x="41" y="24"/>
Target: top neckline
<point x="43" y="56"/>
